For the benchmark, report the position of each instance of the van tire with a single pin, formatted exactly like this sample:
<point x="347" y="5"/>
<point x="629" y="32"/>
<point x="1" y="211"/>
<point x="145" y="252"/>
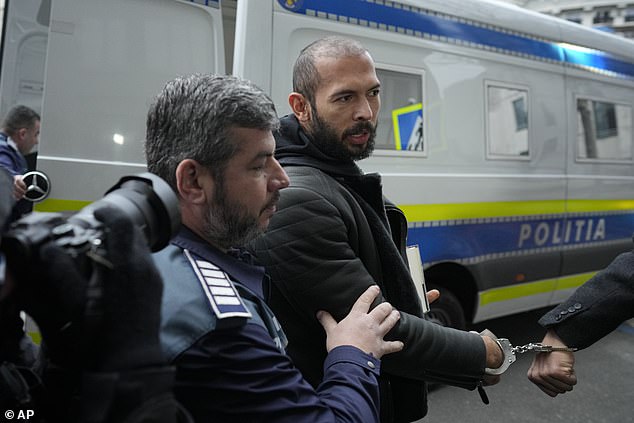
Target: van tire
<point x="446" y="310"/>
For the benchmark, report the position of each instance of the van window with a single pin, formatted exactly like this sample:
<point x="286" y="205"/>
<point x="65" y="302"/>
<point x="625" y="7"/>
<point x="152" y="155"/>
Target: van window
<point x="507" y="121"/>
<point x="400" y="125"/>
<point x="604" y="130"/>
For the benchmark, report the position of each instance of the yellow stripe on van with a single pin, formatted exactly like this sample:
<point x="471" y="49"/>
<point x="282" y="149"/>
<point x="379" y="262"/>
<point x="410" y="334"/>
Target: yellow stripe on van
<point x="423" y="212"/>
<point x="507" y="293"/>
<point x="578" y="206"/>
<point x="574" y="281"/>
<point x="517" y="291"/>
<point x="55" y="205"/>
<point x="451" y="211"/>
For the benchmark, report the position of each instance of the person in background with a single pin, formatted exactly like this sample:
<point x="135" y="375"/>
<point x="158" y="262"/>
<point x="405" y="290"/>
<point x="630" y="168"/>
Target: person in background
<point x="19" y="134"/>
<point x="210" y="137"/>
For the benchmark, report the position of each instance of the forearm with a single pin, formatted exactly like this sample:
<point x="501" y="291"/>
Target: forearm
<point x="317" y="268"/>
<point x="240" y="375"/>
<point x="597" y="307"/>
<point x="328" y="276"/>
<point x="435" y="352"/>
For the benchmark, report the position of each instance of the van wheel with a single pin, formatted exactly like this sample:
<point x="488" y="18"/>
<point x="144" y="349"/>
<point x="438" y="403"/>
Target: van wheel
<point x="446" y="310"/>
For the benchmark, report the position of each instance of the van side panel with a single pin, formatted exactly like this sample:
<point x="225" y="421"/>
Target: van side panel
<point x="502" y="218"/>
<point x="23" y="55"/>
<point x="105" y="63"/>
<point x="504" y="135"/>
<point x="253" y="46"/>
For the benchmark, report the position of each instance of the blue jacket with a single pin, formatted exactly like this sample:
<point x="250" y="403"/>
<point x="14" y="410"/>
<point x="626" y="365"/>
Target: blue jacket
<point x="229" y="348"/>
<point x="10" y="158"/>
<point x="15" y="163"/>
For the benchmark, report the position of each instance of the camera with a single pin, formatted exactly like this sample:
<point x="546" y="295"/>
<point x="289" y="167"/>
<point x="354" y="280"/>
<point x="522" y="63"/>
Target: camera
<point x="145" y="198"/>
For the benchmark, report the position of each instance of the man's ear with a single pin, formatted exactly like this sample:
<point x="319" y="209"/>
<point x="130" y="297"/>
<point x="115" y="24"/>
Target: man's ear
<point x="21" y="133"/>
<point x="300" y="106"/>
<point x="191" y="180"/>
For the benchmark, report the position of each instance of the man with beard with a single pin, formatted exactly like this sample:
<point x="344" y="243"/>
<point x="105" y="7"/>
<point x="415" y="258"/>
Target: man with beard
<point x="210" y="137"/>
<point x="334" y="235"/>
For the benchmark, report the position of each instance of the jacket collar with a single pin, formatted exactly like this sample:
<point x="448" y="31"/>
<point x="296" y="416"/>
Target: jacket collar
<point x="4" y="137"/>
<point x="295" y="148"/>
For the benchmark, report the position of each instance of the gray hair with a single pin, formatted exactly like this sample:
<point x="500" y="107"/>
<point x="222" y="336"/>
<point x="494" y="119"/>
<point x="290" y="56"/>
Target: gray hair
<point x="192" y="116"/>
<point x="305" y="76"/>
<point x="19" y="117"/>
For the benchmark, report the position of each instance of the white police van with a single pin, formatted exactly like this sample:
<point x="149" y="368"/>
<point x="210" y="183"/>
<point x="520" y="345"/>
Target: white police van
<point x="505" y="135"/>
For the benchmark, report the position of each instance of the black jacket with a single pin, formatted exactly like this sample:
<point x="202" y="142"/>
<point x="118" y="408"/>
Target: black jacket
<point x="597" y="307"/>
<point x="332" y="237"/>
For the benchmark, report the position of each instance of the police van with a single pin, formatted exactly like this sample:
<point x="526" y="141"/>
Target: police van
<point x="504" y="135"/>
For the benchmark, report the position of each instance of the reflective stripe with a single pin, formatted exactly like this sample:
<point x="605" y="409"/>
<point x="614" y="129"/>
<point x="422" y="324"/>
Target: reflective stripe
<point x="533" y="288"/>
<point x="55" y="205"/>
<point x="427" y="212"/>
<point x="469" y="233"/>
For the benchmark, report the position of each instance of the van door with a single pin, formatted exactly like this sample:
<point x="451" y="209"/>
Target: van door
<point x="600" y="172"/>
<point x="24" y="39"/>
<point x="106" y="60"/>
<point x="23" y="52"/>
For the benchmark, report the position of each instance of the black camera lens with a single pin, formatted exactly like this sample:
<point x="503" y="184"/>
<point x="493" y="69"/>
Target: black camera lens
<point x="147" y="200"/>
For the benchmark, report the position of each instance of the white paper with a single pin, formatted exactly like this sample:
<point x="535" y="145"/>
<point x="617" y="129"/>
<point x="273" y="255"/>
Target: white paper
<point x="416" y="270"/>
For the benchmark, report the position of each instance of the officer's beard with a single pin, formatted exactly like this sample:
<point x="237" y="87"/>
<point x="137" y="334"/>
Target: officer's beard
<point x="227" y="224"/>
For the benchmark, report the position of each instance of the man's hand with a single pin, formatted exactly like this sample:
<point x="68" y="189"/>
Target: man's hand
<point x="50" y="288"/>
<point x="19" y="187"/>
<point x="553" y="372"/>
<point x="432" y="295"/>
<point x="132" y="298"/>
<point x="362" y="329"/>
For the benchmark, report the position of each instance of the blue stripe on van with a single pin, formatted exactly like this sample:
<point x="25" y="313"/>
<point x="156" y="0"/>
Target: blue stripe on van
<point x="477" y="238"/>
<point x="213" y="3"/>
<point x="410" y="19"/>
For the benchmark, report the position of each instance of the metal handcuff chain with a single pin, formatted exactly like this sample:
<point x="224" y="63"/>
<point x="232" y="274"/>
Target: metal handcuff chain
<point x="510" y="353"/>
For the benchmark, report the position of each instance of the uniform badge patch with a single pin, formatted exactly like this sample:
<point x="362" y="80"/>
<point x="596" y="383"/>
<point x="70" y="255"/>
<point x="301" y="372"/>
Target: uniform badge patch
<point x="220" y="291"/>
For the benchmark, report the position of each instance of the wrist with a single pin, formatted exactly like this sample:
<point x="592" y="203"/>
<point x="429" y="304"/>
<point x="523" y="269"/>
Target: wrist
<point x="551" y="338"/>
<point x="508" y="357"/>
<point x="494" y="352"/>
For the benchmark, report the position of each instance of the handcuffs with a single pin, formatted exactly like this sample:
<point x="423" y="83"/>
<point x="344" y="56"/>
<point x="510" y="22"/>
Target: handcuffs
<point x="510" y="353"/>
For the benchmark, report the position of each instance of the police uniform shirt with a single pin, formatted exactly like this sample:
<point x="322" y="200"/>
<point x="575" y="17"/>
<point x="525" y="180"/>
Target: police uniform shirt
<point x="230" y="361"/>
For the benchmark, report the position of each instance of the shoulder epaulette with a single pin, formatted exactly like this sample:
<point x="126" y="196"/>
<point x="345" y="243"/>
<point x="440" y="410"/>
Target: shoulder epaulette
<point x="220" y="291"/>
